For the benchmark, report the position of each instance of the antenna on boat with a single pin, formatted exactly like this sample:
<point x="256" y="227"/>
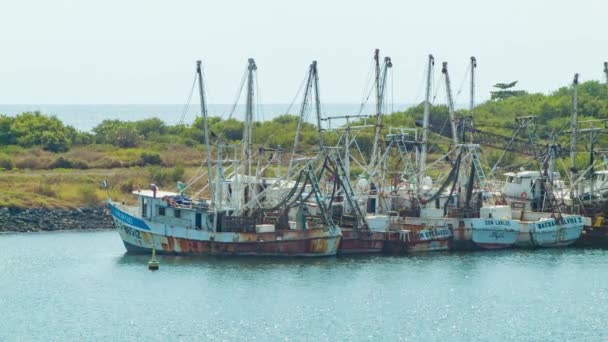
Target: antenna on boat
<point x="201" y="89"/>
<point x="606" y="71"/>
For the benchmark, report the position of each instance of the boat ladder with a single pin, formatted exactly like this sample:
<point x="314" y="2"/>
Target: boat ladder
<point x="348" y="191"/>
<point x="473" y="151"/>
<point x="314" y="183"/>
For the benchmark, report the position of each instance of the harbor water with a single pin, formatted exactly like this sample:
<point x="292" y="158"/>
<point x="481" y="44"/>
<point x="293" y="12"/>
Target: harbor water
<point x="67" y="286"/>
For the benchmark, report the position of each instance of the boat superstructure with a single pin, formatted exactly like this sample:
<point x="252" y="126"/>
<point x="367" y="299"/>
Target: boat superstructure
<point x="236" y="219"/>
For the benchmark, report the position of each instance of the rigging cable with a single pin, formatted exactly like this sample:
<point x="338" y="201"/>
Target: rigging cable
<point x="366" y="94"/>
<point x="187" y="105"/>
<point x="258" y="98"/>
<point x="295" y="98"/>
<point x="238" y="95"/>
<point x="464" y="79"/>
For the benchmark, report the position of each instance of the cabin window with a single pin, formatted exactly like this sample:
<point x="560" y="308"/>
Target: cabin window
<point x="161" y="211"/>
<point x="509" y="179"/>
<point x="197" y="221"/>
<point x="144" y="206"/>
<point x="177" y="213"/>
<point x="518" y="180"/>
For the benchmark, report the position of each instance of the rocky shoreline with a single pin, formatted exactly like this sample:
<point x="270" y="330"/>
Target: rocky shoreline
<point x="48" y="219"/>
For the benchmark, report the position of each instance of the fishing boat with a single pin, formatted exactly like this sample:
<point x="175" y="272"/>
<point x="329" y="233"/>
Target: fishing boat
<point x="533" y="197"/>
<point x="360" y="235"/>
<point x="231" y="221"/>
<point x="174" y="225"/>
<point x="495" y="228"/>
<point x="415" y="235"/>
<point x="542" y="229"/>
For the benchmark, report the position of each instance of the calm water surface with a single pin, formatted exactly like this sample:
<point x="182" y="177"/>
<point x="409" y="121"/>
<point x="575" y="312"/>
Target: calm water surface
<point x="81" y="286"/>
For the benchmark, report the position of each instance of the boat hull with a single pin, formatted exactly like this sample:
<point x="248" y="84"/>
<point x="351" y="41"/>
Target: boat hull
<point x="593" y="237"/>
<point x="550" y="232"/>
<point x="561" y="237"/>
<point x="493" y="233"/>
<point x="140" y="236"/>
<point x="361" y="241"/>
<point x="417" y="238"/>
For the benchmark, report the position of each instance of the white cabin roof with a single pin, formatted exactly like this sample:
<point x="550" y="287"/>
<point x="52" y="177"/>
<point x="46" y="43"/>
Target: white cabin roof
<point x="149" y="193"/>
<point x="523" y="174"/>
<point x="528" y="174"/>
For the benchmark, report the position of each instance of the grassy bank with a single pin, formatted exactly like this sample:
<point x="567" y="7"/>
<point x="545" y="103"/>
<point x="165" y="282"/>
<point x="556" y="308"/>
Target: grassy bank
<point x="62" y="188"/>
<point x="99" y="156"/>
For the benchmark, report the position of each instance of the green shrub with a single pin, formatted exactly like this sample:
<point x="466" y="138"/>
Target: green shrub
<point x="166" y="176"/>
<point x="6" y="163"/>
<point x="35" y="129"/>
<point x="127" y="186"/>
<point x="32" y="163"/>
<point x="61" y="163"/>
<point x="149" y="158"/>
<point x="46" y="190"/>
<point x="88" y="196"/>
<point x="117" y="133"/>
<point x="178" y="173"/>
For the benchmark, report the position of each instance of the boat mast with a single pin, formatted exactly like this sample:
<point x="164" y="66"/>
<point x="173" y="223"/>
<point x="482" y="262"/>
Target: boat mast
<point x="219" y="172"/>
<point x="247" y="136"/>
<point x="301" y="117"/>
<point x="573" y="127"/>
<point x="378" y="110"/>
<point x="448" y="88"/>
<point x="427" y="112"/>
<point x="380" y="85"/>
<point x="472" y="103"/>
<point x="317" y="103"/>
<point x="201" y="89"/>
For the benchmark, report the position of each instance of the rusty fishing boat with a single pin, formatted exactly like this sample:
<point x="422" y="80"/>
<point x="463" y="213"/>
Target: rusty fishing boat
<point x="233" y="220"/>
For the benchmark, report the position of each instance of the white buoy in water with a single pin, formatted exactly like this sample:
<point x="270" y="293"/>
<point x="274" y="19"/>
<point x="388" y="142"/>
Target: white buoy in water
<point x="153" y="263"/>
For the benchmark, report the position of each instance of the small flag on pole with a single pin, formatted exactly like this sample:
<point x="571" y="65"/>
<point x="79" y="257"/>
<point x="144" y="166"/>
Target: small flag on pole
<point x="181" y="187"/>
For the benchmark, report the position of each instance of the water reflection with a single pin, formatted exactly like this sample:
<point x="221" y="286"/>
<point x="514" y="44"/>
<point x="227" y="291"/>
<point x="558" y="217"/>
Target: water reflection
<point x="249" y="262"/>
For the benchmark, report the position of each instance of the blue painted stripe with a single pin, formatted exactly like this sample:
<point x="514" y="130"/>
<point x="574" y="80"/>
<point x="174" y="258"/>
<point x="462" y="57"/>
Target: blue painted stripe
<point x="128" y="219"/>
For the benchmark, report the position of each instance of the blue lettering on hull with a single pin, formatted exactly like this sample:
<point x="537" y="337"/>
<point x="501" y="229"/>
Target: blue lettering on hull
<point x="128" y="219"/>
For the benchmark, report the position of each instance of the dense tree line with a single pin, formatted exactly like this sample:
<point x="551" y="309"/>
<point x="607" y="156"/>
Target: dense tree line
<point x="47" y="132"/>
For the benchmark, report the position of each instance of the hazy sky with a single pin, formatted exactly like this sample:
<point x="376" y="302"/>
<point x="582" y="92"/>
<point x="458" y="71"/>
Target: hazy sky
<point x="144" y="51"/>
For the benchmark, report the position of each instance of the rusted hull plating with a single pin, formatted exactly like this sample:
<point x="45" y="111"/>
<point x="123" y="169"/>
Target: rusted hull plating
<point x="361" y="241"/>
<point x="401" y="242"/>
<point x="304" y="247"/>
<point x="138" y="236"/>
